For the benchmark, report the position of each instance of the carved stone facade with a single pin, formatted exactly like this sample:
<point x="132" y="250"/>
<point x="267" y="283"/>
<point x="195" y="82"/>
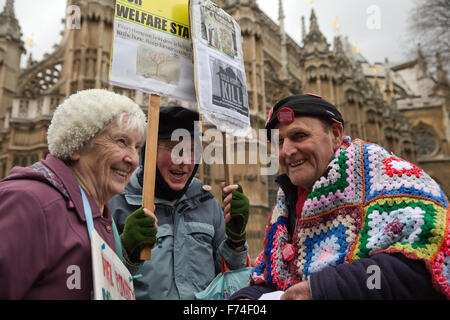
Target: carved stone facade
<point x="400" y="107"/>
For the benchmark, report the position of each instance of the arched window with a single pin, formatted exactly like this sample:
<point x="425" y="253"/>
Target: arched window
<point x="426" y="143"/>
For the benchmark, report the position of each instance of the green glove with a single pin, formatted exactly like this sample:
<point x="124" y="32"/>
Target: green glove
<point x="239" y="211"/>
<point x="139" y="232"/>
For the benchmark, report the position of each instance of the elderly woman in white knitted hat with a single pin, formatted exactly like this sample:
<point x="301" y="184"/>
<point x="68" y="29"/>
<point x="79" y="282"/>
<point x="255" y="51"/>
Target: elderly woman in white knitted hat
<point x="94" y="140"/>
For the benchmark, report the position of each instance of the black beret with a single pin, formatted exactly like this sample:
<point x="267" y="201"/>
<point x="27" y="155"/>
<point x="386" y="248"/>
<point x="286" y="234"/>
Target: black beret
<point x="303" y="104"/>
<point x="175" y="117"/>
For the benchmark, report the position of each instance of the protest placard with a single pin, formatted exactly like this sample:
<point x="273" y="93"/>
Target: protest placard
<point x="152" y="48"/>
<point x="111" y="277"/>
<point x="152" y="52"/>
<point x="219" y="68"/>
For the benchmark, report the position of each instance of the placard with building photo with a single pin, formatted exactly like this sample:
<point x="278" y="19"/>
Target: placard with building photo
<point x="228" y="87"/>
<point x="219" y="68"/>
<point x="218" y="30"/>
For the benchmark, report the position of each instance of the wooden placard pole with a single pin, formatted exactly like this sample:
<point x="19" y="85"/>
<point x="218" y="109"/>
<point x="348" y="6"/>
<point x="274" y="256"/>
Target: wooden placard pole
<point x="151" y="147"/>
<point x="227" y="167"/>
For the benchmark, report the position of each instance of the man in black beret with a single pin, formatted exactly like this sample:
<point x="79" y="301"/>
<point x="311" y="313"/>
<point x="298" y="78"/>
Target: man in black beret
<point x="193" y="235"/>
<point x="350" y="217"/>
<point x="304" y="104"/>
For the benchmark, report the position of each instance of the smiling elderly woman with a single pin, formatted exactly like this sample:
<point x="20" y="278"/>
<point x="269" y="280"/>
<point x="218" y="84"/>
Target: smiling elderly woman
<point x="94" y="140"/>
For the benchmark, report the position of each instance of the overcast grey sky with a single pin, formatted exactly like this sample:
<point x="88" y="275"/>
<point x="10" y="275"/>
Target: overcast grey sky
<point x="377" y="27"/>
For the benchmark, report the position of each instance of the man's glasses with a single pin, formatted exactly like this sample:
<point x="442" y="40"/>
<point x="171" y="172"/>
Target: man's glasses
<point x="178" y="149"/>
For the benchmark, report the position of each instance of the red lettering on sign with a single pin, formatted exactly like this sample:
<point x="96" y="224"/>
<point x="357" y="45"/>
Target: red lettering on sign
<point x="107" y="271"/>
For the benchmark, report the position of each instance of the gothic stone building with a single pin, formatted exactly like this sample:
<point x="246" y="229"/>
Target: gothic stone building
<point x="400" y="107"/>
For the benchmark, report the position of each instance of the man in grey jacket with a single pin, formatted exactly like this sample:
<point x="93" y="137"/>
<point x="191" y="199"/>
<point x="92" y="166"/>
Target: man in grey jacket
<point x="193" y="238"/>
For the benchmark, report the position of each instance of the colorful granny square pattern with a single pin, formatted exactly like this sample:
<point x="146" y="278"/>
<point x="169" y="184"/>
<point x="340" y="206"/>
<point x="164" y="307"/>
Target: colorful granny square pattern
<point x="277" y="269"/>
<point x="342" y="185"/>
<point x="441" y="268"/>
<point x="325" y="244"/>
<point x="446" y="269"/>
<point x="325" y="249"/>
<point x="386" y="175"/>
<point x="395" y="166"/>
<point x="413" y="226"/>
<point x="280" y="209"/>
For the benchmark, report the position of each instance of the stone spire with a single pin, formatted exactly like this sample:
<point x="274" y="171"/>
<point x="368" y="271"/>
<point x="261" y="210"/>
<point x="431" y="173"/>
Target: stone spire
<point x="284" y="58"/>
<point x="442" y="83"/>
<point x="338" y="48"/>
<point x="281" y="16"/>
<point x="315" y="41"/>
<point x="30" y="60"/>
<point x="342" y="63"/>
<point x="314" y="26"/>
<point x="9" y="8"/>
<point x="423" y="69"/>
<point x="11" y="49"/>
<point x="389" y="85"/>
<point x="303" y="29"/>
<point x="9" y="25"/>
<point x="442" y="77"/>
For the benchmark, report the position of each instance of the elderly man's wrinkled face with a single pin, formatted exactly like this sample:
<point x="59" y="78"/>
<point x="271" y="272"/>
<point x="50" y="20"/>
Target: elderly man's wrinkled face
<point x="108" y="163"/>
<point x="306" y="149"/>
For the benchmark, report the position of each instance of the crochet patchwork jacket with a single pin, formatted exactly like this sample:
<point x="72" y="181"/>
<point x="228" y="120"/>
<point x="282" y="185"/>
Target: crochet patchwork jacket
<point x="368" y="202"/>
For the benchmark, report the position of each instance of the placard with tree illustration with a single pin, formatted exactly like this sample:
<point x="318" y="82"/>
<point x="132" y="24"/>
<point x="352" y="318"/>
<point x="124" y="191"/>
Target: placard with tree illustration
<point x="152" y="49"/>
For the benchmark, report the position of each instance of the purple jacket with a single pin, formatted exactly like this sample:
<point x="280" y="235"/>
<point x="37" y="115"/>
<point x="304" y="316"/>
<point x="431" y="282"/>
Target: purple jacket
<point x="44" y="244"/>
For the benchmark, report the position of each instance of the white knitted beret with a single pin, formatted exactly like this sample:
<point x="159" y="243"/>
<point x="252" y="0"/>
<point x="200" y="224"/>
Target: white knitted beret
<point x="85" y="113"/>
